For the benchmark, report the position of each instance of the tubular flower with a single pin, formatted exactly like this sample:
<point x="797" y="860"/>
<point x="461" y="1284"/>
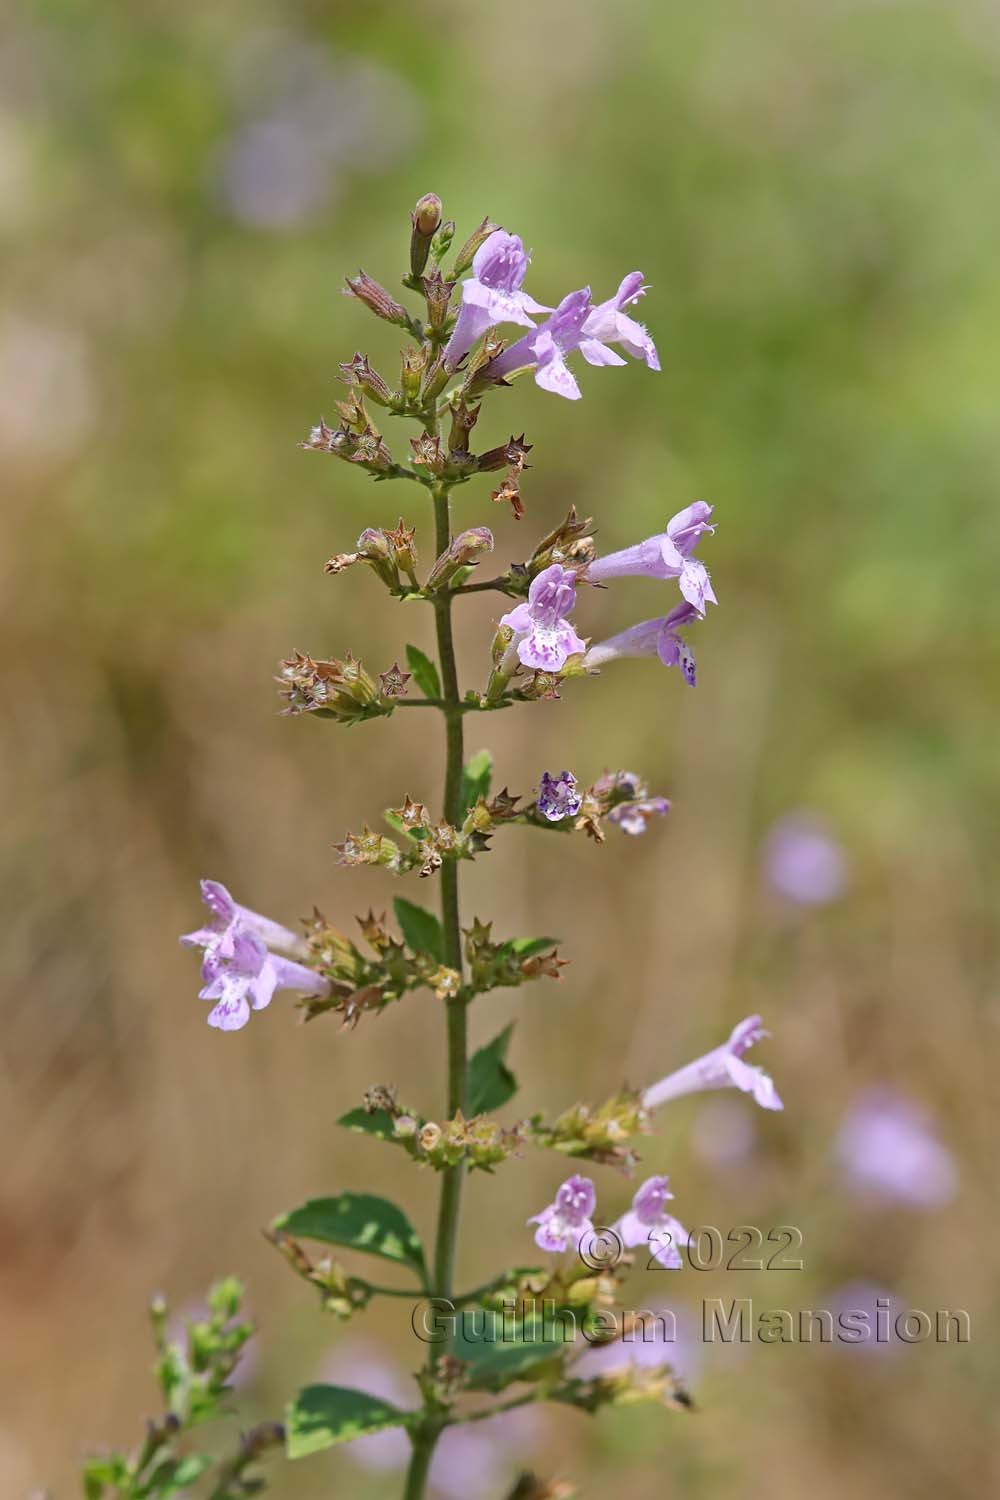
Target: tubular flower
<point x="660" y="637"/>
<point x="240" y="972"/>
<point x="558" y="796"/>
<point x="544" y="638"/>
<point x="723" y="1068"/>
<point x="492" y="294"/>
<point x="666" y="555"/>
<point x="578" y="324"/>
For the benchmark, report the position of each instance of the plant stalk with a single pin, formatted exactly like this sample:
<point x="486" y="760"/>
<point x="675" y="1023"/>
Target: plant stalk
<point x="442" y="1279"/>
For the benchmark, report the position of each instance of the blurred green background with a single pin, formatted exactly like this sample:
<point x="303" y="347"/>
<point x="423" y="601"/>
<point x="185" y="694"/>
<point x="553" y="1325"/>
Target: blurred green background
<point x="812" y="190"/>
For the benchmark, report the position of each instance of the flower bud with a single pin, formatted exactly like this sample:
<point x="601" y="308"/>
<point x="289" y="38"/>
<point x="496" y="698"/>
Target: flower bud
<point x="476" y="238"/>
<point x="405" y="1126"/>
<point x="438" y="292"/>
<point x="437" y="377"/>
<point x="411" y="373"/>
<point x="467" y="549"/>
<point x="441" y="243"/>
<point x="426" y="221"/>
<point x="377" y="299"/>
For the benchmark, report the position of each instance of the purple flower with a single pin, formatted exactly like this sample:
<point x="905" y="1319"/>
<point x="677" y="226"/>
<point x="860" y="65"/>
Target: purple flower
<point x="888" y="1150"/>
<point x="578" y="324"/>
<point x="722" y="1069"/>
<point x="492" y="294"/>
<point x="659" y="637"/>
<point x="803" y="862"/>
<point x="544" y="638"/>
<point x="666" y="555"/>
<point x="240" y="972"/>
<point x="227" y="916"/>
<point x="648" y="1223"/>
<point x="632" y="817"/>
<point x="558" y="797"/>
<point x="566" y="1221"/>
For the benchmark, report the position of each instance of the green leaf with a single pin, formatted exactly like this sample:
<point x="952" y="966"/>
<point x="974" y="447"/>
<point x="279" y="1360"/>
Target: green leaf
<point x="491" y="1083"/>
<point x="361" y="1222"/>
<point x="322" y="1415"/>
<point x="498" y="1349"/>
<point x="476" y="777"/>
<point x="378" y="1122"/>
<point x="425" y="672"/>
<point x="420" y="928"/>
<point x="527" y="947"/>
<point x="176" y="1475"/>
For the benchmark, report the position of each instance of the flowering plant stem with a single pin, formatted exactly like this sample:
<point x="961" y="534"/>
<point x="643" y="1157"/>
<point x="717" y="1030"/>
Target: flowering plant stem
<point x="425" y="1437"/>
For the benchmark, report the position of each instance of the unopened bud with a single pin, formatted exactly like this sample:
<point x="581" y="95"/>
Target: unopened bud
<point x="467" y="549"/>
<point x="377" y="299"/>
<point x="478" y="237"/>
<point x="441" y="243"/>
<point x="405" y="1126"/>
<point x="437" y="377"/>
<point x="426" y="221"/>
<point x="412" y="371"/>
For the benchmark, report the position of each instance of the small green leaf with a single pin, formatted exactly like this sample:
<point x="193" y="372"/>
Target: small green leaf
<point x="322" y="1415"/>
<point x="527" y="947"/>
<point x="491" y="1083"/>
<point x="425" y="672"/>
<point x="361" y="1222"/>
<point x="378" y="1122"/>
<point x="420" y="928"/>
<point x="497" y="1349"/>
<point x="476" y="778"/>
<point x="176" y="1475"/>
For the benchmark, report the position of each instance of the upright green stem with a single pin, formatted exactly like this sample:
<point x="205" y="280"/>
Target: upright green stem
<point x="425" y="1437"/>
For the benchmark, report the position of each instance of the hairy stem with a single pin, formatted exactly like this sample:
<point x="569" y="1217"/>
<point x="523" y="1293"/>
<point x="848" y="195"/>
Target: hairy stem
<point x="446" y="1239"/>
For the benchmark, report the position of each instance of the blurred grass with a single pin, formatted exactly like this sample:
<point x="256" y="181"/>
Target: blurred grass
<point x="812" y="192"/>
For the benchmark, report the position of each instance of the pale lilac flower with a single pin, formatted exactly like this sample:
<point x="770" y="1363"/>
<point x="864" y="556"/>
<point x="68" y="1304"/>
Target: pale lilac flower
<point x="803" y="862"/>
<point x="608" y="324"/>
<point x="568" y="1219"/>
<point x="648" y="1223"/>
<point x="659" y="637"/>
<point x="544" y="638"/>
<point x="723" y="1068"/>
<point x="244" y="977"/>
<point x="558" y="797"/>
<point x="227" y="916"/>
<point x="888" y="1150"/>
<point x="632" y="817"/>
<point x="492" y="294"/>
<point x="239" y="970"/>
<point x="666" y="555"/>
<point x="578" y="324"/>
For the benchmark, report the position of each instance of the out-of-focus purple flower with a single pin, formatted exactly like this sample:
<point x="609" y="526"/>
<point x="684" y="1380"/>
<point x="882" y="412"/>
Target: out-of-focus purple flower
<point x="361" y="1365"/>
<point x="723" y="1068"/>
<point x="578" y="324"/>
<point x="240" y="972"/>
<point x="492" y="294"/>
<point x="568" y="1219"/>
<point x="648" y="1223"/>
<point x="666" y="555"/>
<point x="632" y="817"/>
<point x="803" y="862"/>
<point x="887" y="1150"/>
<point x="558" y="797"/>
<point x="723" y="1132"/>
<point x="864" y="1318"/>
<point x="544" y="638"/>
<point x="659" y="1335"/>
<point x="659" y="637"/>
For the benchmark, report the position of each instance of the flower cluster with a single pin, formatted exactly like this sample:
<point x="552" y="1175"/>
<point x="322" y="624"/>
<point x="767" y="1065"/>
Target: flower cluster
<point x="456" y="360"/>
